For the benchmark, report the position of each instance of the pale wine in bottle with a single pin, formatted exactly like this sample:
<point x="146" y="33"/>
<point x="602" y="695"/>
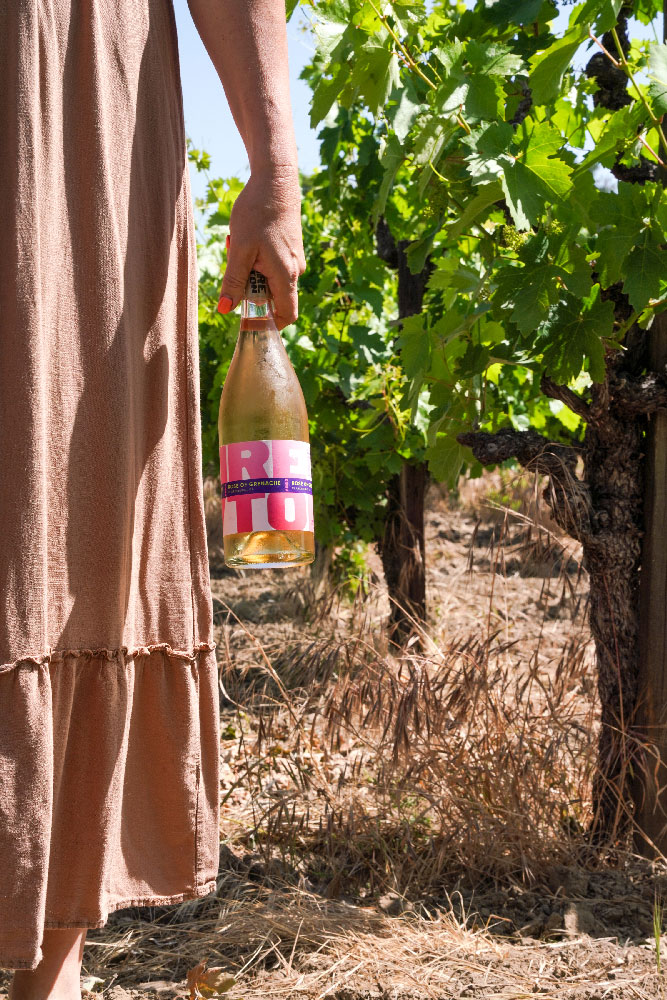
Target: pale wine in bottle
<point x="267" y="492"/>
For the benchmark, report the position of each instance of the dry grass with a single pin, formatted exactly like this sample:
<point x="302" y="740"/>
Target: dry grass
<point x="403" y="824"/>
<point x="286" y="943"/>
<point x="411" y="773"/>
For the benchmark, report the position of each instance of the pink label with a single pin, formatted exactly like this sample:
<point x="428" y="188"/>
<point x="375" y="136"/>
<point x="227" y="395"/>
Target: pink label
<point x="266" y="486"/>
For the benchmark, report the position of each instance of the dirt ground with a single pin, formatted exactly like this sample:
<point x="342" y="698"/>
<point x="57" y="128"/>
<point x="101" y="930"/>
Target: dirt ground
<point x="282" y="926"/>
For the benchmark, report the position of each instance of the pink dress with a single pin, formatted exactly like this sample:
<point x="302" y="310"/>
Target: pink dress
<point x="108" y="679"/>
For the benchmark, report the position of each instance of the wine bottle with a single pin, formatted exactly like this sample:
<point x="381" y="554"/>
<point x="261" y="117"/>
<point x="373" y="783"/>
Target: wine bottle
<point x="267" y="492"/>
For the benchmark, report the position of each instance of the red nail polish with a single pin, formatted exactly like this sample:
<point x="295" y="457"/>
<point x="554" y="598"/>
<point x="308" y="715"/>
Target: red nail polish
<point x="225" y="304"/>
<point x="227" y="242"/>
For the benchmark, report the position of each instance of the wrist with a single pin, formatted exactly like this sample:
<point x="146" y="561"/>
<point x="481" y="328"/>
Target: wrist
<point x="271" y="168"/>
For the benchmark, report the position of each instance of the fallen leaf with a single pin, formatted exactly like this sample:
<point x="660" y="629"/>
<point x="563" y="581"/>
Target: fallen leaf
<point x="208" y="983"/>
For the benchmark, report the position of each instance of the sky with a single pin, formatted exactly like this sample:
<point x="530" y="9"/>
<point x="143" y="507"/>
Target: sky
<point x="208" y="121"/>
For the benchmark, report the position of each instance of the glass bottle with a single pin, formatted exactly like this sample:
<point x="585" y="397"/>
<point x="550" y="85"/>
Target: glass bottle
<point x="267" y="495"/>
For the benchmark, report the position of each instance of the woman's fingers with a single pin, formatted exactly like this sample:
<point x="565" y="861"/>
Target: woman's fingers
<point x="282" y="277"/>
<point x="240" y="260"/>
<point x="265" y="229"/>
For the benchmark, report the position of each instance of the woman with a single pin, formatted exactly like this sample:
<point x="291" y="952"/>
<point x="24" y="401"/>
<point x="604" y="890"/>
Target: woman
<point x="108" y="680"/>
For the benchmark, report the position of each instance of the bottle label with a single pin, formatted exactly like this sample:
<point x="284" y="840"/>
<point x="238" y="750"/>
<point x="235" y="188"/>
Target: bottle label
<point x="266" y="486"/>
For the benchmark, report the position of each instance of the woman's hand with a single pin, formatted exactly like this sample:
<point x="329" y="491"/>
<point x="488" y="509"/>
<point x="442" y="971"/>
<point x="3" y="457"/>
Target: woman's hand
<point x="265" y="234"/>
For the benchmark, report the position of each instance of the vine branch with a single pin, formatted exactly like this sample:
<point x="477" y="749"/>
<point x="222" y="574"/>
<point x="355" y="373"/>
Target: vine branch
<point x="567" y="396"/>
<point x="566" y="495"/>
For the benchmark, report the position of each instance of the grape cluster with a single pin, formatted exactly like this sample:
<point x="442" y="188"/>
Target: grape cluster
<point x="556" y="228"/>
<point x="438" y="201"/>
<point x="510" y="238"/>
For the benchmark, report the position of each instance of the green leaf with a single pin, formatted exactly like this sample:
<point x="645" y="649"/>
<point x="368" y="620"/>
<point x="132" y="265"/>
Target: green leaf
<point x="488" y="195"/>
<point x="430" y="139"/>
<point x="564" y="415"/>
<point x="325" y="95"/>
<point x="536" y="177"/>
<point x="374" y="74"/>
<point x="643" y="269"/>
<point x="418" y="251"/>
<point x="603" y="12"/>
<point x="620" y="220"/>
<point x="453" y="273"/>
<point x="492" y="58"/>
<point x="657" y="71"/>
<point x="391" y="159"/>
<point x="619" y="133"/>
<point x="573" y="334"/>
<point x="290" y="7"/>
<point x="530" y="290"/>
<point x="485" y="98"/>
<point x="415" y="346"/>
<point x="513" y="11"/>
<point x="406" y="111"/>
<point x="445" y="459"/>
<point x="329" y="29"/>
<point x="547" y="68"/>
<point x="523" y="195"/>
<point x="485" y="162"/>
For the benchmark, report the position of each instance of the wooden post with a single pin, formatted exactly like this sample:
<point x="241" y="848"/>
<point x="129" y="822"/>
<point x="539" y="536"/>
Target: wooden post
<point x="650" y="784"/>
<point x="650" y="764"/>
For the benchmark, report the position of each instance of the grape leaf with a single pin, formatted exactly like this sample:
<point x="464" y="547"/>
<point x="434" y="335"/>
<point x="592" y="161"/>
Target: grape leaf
<point x="514" y="11"/>
<point x="374" y="74"/>
<point x="620" y="220"/>
<point x="643" y="268"/>
<point x="492" y="58"/>
<point x="547" y="68"/>
<point x="485" y="162"/>
<point x="326" y="94"/>
<point x="433" y="134"/>
<point x="485" y="98"/>
<point x="536" y="176"/>
<point x="414" y="345"/>
<point x="603" y="12"/>
<point x="487" y="195"/>
<point x="407" y="108"/>
<point x="446" y="458"/>
<point x="574" y="333"/>
<point x="418" y="251"/>
<point x="391" y="160"/>
<point x="620" y="131"/>
<point x="532" y="289"/>
<point x="657" y="71"/>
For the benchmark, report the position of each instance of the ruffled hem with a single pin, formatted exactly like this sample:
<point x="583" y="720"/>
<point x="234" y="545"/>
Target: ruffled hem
<point x="123" y="904"/>
<point x="113" y="789"/>
<point x="105" y="653"/>
<point x="20" y="965"/>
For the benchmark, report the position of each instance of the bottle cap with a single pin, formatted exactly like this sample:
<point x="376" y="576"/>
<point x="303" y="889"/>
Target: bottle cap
<point x="257" y="288"/>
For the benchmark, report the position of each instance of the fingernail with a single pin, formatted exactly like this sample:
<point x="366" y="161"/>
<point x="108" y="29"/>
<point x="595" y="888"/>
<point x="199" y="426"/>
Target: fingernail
<point x="225" y="304"/>
<point x="227" y="242"/>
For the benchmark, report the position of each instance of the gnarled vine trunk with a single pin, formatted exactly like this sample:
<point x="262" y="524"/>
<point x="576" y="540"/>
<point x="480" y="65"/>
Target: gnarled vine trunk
<point x="604" y="509"/>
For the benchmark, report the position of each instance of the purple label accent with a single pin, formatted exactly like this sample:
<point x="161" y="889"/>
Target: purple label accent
<point x="242" y="487"/>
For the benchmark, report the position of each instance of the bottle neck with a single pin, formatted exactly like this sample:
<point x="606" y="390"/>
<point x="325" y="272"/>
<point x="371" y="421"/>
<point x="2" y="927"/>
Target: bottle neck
<point x="256" y="306"/>
<point x="250" y="309"/>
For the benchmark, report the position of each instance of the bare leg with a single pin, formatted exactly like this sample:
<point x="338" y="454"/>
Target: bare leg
<point x="58" y="975"/>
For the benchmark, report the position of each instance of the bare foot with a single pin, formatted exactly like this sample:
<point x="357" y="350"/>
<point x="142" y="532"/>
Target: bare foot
<point x="58" y="975"/>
